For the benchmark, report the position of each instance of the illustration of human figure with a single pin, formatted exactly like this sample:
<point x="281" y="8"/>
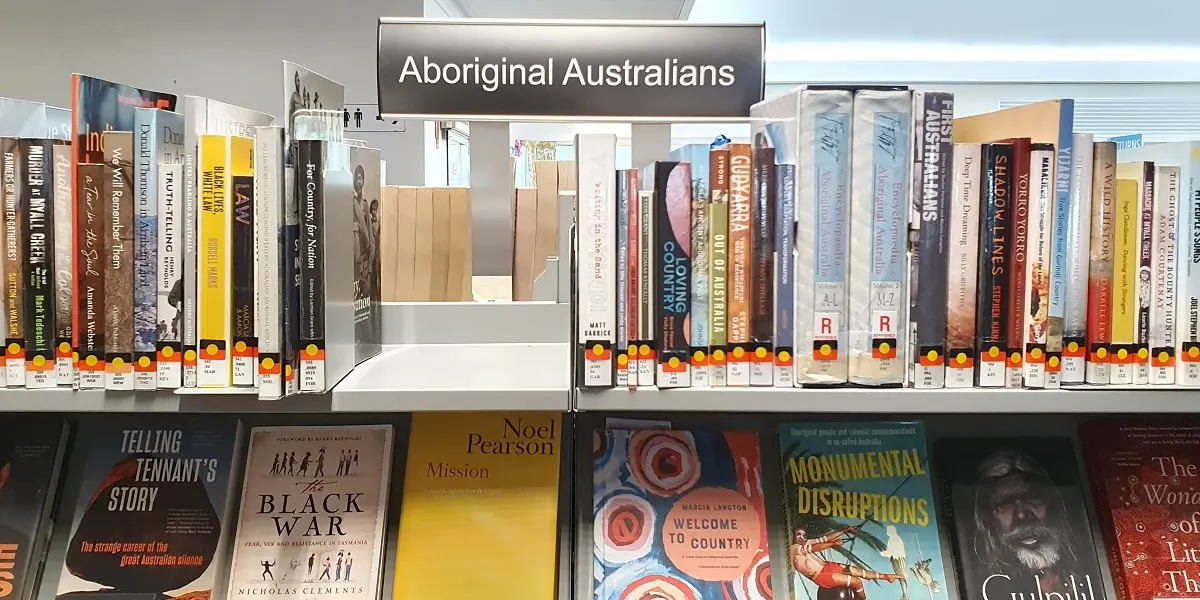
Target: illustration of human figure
<point x="267" y="570"/>
<point x="292" y="566"/>
<point x="1144" y="287"/>
<point x="829" y="574"/>
<point x="311" y="559"/>
<point x="349" y="563"/>
<point x="306" y="100"/>
<point x="358" y="117"/>
<point x="275" y="465"/>
<point x="316" y="103"/>
<point x="341" y="470"/>
<point x="356" y="458"/>
<point x="320" y="463"/>
<point x="345" y="117"/>
<point x="325" y="571"/>
<point x="895" y="552"/>
<point x="338" y="572"/>
<point x="292" y="464"/>
<point x="304" y="463"/>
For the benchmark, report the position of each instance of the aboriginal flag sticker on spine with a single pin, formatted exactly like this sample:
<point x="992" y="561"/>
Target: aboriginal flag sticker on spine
<point x="40" y="369"/>
<point x="785" y="370"/>
<point x="64" y="361"/>
<point x="1098" y="360"/>
<point x="245" y="354"/>
<point x="622" y="364"/>
<point x="992" y="365"/>
<point x="1074" y="359"/>
<point x="717" y="364"/>
<point x="270" y="374"/>
<point x="145" y="370"/>
<point x="699" y="366"/>
<point x="960" y="368"/>
<point x="646" y="361"/>
<point x="762" y="361"/>
<point x="118" y="371"/>
<point x="91" y="370"/>
<point x="169" y="365"/>
<point x="14" y="361"/>
<point x="191" y="366"/>
<point x="738" y="370"/>
<point x="312" y="365"/>
<point x="1189" y="357"/>
<point x="597" y="363"/>
<point x="931" y="367"/>
<point x="1162" y="366"/>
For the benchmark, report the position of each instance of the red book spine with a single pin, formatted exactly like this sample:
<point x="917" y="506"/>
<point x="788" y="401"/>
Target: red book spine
<point x="1017" y="256"/>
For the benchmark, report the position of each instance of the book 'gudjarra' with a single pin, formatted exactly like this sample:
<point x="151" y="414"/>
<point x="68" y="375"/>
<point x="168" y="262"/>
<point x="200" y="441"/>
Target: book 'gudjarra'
<point x="150" y="510"/>
<point x="860" y="512"/>
<point x="31" y="453"/>
<point x="313" y="509"/>
<point x="1017" y="510"/>
<point x="679" y="514"/>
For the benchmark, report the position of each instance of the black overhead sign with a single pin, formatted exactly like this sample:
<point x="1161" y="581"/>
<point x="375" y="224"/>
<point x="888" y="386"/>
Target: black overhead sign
<point x="628" y="71"/>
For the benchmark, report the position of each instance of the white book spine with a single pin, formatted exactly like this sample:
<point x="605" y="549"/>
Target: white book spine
<point x="1188" y="291"/>
<point x="1163" y="277"/>
<point x="169" y="276"/>
<point x="595" y="156"/>
<point x="1037" y="265"/>
<point x="881" y="139"/>
<point x="964" y="267"/>
<point x="268" y="269"/>
<point x="195" y="111"/>
<point x="821" y="237"/>
<point x="1079" y="232"/>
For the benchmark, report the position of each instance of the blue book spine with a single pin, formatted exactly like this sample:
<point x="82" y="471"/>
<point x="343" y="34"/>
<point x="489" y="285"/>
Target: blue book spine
<point x="890" y="160"/>
<point x="831" y="161"/>
<point x="1060" y="239"/>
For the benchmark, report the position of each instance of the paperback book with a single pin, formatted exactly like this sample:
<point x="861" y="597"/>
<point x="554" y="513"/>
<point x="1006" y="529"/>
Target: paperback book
<point x="596" y="284"/>
<point x="672" y="284"/>
<point x="741" y="269"/>
<point x="963" y="267"/>
<point x="994" y="302"/>
<point x="37" y="208"/>
<point x="31" y="461"/>
<point x="1101" y="263"/>
<point x="1074" y="353"/>
<point x="118" y="260"/>
<point x="696" y="155"/>
<point x="718" y="236"/>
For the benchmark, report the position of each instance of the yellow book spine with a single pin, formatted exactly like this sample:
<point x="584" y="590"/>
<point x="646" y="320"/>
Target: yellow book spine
<point x="480" y="481"/>
<point x="212" y="315"/>
<point x="1126" y="248"/>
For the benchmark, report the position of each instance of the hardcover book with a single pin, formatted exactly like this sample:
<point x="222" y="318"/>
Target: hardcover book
<point x="118" y="260"/>
<point x="149" y="518"/>
<point x="98" y="106"/>
<point x="672" y="283"/>
<point x="860" y="511"/>
<point x="1100" y="263"/>
<point x="31" y="460"/>
<point x="481" y="480"/>
<point x="368" y="321"/>
<point x="309" y="527"/>
<point x="994" y="302"/>
<point x="37" y="209"/>
<point x="1074" y="352"/>
<point x="1019" y="517"/>
<point x="1143" y="476"/>
<point x="678" y="514"/>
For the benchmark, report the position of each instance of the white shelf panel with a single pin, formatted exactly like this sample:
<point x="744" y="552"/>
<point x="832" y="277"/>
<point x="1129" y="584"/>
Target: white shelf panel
<point x="1132" y="399"/>
<point x="220" y="401"/>
<point x="424" y="377"/>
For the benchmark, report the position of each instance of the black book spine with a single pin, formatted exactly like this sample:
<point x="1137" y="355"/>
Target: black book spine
<point x="672" y="231"/>
<point x="311" y="189"/>
<point x="995" y="236"/>
<point x="937" y="163"/>
<point x="244" y="341"/>
<point x="39" y="253"/>
<point x="762" y="250"/>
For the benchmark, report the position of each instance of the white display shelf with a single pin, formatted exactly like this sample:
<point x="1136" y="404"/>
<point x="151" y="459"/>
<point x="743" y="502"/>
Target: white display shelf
<point x="1131" y="399"/>
<point x="189" y="401"/>
<point x="426" y="377"/>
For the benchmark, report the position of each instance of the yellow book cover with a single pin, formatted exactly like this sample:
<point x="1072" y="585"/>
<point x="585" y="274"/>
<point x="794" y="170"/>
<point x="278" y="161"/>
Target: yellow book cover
<point x="1125" y="269"/>
<point x="212" y="235"/>
<point x="487" y="482"/>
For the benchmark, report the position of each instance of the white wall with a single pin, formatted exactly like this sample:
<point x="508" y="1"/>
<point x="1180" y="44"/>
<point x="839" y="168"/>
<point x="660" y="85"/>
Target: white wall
<point x="229" y="50"/>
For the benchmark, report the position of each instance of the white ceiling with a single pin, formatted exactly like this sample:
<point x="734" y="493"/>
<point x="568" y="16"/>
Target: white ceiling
<point x="566" y="9"/>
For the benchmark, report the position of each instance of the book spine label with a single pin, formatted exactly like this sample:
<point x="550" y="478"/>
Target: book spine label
<point x="964" y="267"/>
<point x="14" y="264"/>
<point x="1074" y="349"/>
<point x="118" y="267"/>
<point x="145" y="252"/>
<point x="633" y="291"/>
<point x="1017" y="247"/>
<point x="243" y="333"/>
<point x="1059" y="242"/>
<point x="269" y="269"/>
<point x="596" y="286"/>
<point x="1162" y="308"/>
<point x="646" y="360"/>
<point x="1101" y="257"/>
<point x="878" y="216"/>
<point x="1037" y="266"/>
<point x="700" y="338"/>
<point x="623" y="280"/>
<point x="785" y="287"/>
<point x="64" y="248"/>
<point x="169" y="280"/>
<point x="762" y="259"/>
<point x="213" y="266"/>
<point x="718" y="236"/>
<point x="91" y="299"/>
<point x="741" y="191"/>
<point x="196" y="114"/>
<point x="1144" y="285"/>
<point x="672" y="244"/>
<point x="311" y="176"/>
<point x="994" y="294"/>
<point x="1126" y="244"/>
<point x="38" y="211"/>
<point x="1189" y="283"/>
<point x="937" y="162"/>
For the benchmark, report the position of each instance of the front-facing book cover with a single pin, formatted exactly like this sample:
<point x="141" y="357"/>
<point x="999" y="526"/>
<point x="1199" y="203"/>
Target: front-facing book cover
<point x="679" y="515"/>
<point x="1019" y="517"/>
<point x="313" y="506"/>
<point x="151" y="508"/>
<point x="860" y="512"/>
<point x="31" y="453"/>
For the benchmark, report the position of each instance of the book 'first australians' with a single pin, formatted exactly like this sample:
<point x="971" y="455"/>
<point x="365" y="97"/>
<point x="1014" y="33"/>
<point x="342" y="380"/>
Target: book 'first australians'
<point x="314" y="503"/>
